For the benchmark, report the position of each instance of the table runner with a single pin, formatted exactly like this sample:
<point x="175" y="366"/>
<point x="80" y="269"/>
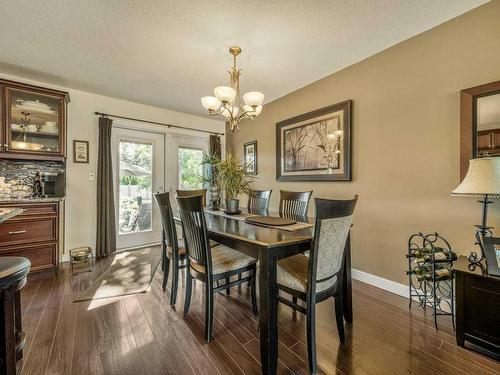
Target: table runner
<point x="242" y="216"/>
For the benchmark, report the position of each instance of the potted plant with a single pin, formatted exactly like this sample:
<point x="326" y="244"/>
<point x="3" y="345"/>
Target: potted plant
<point x="230" y="176"/>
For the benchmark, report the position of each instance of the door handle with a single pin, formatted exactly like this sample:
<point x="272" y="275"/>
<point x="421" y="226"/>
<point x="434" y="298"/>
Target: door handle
<point x="17" y="232"/>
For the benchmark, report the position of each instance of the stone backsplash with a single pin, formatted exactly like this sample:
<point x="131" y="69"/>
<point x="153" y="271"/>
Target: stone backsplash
<point x="22" y="172"/>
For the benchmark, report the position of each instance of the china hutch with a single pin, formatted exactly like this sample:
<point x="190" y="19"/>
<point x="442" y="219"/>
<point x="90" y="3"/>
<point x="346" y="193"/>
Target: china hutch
<point x="33" y="127"/>
<point x="33" y="122"/>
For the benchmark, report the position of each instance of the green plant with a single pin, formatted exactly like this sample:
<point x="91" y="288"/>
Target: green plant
<point x="228" y="174"/>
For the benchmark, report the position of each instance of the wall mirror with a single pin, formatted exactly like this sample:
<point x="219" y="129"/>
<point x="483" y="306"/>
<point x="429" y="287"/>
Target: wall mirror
<point x="479" y="123"/>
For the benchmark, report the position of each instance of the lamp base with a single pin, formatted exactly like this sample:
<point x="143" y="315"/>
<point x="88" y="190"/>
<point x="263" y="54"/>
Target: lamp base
<point x="482" y="230"/>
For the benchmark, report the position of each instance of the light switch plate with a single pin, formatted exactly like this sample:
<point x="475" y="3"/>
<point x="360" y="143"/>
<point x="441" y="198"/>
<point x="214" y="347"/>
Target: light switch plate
<point x="91" y="176"/>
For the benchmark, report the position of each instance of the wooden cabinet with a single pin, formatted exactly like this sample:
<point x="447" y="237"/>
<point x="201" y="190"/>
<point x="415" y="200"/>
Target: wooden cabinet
<point x="477" y="306"/>
<point x="32" y="122"/>
<point x="488" y="141"/>
<point x="34" y="234"/>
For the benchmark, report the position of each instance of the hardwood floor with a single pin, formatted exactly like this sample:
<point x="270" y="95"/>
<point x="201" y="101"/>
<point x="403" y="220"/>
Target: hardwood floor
<point x="142" y="334"/>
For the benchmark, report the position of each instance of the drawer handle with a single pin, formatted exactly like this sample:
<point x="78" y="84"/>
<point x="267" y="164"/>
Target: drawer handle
<point x="17" y="232"/>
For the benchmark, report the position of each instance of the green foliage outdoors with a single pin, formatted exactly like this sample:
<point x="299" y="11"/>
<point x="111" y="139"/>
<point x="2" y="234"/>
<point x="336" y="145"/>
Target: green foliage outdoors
<point x="189" y="169"/>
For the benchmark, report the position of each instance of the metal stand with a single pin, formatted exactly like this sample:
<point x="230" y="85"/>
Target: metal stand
<point x="482" y="230"/>
<point x="431" y="292"/>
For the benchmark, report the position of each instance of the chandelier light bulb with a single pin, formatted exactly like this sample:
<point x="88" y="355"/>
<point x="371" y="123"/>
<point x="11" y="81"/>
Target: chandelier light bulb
<point x="253" y="98"/>
<point x="225" y="94"/>
<point x="210" y="103"/>
<point x="231" y="110"/>
<point x="253" y="112"/>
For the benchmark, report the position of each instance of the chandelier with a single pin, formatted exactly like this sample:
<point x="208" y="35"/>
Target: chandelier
<point x="227" y="101"/>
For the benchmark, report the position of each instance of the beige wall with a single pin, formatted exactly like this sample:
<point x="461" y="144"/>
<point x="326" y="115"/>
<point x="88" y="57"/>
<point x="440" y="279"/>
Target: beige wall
<point x="80" y="225"/>
<point x="405" y="138"/>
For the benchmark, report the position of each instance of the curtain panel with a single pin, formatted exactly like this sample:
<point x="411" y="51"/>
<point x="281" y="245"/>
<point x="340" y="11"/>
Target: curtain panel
<point x="106" y="228"/>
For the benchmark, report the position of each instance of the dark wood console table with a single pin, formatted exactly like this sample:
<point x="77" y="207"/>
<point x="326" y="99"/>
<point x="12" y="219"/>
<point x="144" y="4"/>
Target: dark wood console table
<point x="477" y="306"/>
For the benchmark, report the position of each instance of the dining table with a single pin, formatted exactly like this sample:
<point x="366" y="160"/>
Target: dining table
<point x="268" y="245"/>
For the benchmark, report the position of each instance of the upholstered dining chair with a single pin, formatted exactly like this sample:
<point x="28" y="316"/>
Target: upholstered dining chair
<point x="294" y="204"/>
<point x="318" y="277"/>
<point x="190" y="193"/>
<point x="258" y="200"/>
<point x="210" y="265"/>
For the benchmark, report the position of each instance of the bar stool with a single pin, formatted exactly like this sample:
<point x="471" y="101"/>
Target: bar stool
<point x="13" y="272"/>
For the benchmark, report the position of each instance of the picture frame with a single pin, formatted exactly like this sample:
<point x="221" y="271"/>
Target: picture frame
<point x="491" y="248"/>
<point x="250" y="157"/>
<point x="80" y="151"/>
<point x="315" y="146"/>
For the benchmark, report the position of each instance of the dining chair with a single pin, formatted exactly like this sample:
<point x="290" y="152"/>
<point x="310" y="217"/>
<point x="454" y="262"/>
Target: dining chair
<point x="190" y="193"/>
<point x="318" y="277"/>
<point x="258" y="200"/>
<point x="172" y="249"/>
<point x="210" y="265"/>
<point x="293" y="204"/>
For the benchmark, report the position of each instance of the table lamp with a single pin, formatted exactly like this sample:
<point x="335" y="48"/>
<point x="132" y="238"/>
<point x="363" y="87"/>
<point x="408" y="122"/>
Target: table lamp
<point x="482" y="180"/>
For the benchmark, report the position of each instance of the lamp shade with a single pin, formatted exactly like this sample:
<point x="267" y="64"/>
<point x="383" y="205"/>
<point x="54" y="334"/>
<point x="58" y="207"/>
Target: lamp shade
<point x="482" y="178"/>
<point x="225" y="93"/>
<point x="210" y="103"/>
<point x="253" y="98"/>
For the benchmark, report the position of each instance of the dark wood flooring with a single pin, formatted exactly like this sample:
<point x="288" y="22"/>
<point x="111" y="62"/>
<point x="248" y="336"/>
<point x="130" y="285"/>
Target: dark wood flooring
<point x="142" y="334"/>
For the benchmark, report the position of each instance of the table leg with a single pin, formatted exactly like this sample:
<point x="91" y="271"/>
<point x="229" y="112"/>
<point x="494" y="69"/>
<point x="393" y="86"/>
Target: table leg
<point x="268" y="311"/>
<point x="347" y="282"/>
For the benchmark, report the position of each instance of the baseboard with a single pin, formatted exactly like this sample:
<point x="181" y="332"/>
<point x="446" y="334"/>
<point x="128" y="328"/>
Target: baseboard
<point x="380" y="282"/>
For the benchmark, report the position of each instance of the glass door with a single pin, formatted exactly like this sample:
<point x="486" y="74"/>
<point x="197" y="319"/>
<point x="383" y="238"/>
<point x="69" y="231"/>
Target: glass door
<point x="139" y="173"/>
<point x="186" y="154"/>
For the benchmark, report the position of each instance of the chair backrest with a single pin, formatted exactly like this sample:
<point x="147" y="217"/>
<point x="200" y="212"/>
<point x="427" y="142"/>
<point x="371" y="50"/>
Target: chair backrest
<point x="195" y="231"/>
<point x="332" y="225"/>
<point x="190" y="193"/>
<point x="167" y="220"/>
<point x="293" y="204"/>
<point x="258" y="200"/>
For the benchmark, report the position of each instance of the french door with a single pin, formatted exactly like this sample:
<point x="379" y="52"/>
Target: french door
<point x="184" y="163"/>
<point x="139" y="172"/>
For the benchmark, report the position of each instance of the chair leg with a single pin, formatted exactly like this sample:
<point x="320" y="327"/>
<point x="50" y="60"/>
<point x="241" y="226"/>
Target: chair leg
<point x="166" y="271"/>
<point x="209" y="311"/>
<point x="339" y="317"/>
<point x="175" y="281"/>
<point x="189" y="289"/>
<point x="239" y="278"/>
<point x="228" y="292"/>
<point x="253" y="291"/>
<point x="311" y="333"/>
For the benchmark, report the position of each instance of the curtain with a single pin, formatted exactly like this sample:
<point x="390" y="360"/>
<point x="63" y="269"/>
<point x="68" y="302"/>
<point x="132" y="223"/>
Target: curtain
<point x="215" y="146"/>
<point x="106" y="229"/>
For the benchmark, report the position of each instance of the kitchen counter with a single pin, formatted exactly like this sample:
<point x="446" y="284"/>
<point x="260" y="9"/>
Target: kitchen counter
<point x="7" y="213"/>
<point x="30" y="200"/>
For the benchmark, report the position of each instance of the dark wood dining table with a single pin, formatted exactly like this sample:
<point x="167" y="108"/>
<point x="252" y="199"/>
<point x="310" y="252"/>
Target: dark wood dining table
<point x="268" y="245"/>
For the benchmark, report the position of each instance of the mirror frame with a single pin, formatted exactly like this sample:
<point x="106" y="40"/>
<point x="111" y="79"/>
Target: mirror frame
<point x="468" y="118"/>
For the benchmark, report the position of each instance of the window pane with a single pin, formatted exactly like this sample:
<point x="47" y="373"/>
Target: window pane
<point x="136" y="193"/>
<point x="190" y="168"/>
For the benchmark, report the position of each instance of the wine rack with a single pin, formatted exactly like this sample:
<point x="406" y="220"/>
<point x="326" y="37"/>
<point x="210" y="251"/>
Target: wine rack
<point x="430" y="280"/>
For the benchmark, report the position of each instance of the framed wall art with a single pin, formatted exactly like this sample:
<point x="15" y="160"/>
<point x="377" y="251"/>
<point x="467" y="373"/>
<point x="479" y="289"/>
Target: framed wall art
<point x="315" y="146"/>
<point x="250" y="157"/>
<point x="80" y="151"/>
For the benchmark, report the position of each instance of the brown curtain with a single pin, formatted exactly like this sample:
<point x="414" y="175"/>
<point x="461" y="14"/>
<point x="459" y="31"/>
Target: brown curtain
<point x="106" y="229"/>
<point x="215" y="146"/>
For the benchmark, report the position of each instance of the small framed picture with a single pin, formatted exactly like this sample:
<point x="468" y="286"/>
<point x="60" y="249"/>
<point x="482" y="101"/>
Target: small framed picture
<point x="80" y="151"/>
<point x="491" y="246"/>
<point x="250" y="157"/>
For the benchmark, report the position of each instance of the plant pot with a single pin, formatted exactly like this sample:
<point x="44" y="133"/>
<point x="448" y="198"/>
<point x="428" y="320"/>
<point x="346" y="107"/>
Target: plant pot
<point x="232" y="205"/>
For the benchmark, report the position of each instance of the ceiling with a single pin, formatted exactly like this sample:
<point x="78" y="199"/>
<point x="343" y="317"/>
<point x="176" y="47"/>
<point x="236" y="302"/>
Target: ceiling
<point x="170" y="53"/>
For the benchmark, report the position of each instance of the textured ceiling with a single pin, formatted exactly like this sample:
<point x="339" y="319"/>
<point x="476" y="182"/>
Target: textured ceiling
<point x="170" y="53"/>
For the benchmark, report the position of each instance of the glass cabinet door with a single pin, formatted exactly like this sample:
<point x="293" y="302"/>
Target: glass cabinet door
<point x="34" y="122"/>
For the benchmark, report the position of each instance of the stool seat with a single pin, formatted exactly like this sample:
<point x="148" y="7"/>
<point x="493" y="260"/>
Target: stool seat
<point x="13" y="270"/>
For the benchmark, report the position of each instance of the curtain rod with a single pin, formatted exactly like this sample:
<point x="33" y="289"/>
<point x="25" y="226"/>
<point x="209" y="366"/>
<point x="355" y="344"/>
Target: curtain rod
<point x="157" y="123"/>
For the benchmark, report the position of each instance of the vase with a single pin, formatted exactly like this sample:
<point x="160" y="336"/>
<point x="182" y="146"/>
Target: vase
<point x="214" y="198"/>
<point x="232" y="205"/>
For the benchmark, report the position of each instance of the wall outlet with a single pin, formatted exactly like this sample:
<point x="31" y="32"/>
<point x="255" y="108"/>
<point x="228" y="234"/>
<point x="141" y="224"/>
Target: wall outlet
<point x="91" y="176"/>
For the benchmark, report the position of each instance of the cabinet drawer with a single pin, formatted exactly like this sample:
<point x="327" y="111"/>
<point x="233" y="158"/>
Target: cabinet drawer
<point x="42" y="257"/>
<point x="35" y="209"/>
<point x="28" y="231"/>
